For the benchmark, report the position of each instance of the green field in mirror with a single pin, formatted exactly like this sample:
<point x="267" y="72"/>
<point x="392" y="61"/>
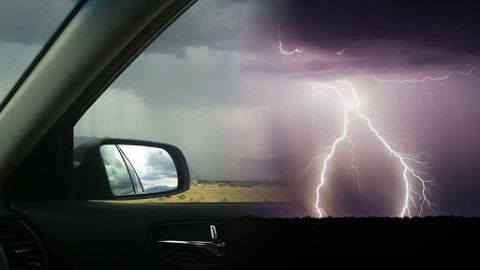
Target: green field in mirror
<point x="138" y="169"/>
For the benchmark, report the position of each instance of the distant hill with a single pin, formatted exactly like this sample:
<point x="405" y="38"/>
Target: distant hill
<point x="156" y="189"/>
<point x="214" y="167"/>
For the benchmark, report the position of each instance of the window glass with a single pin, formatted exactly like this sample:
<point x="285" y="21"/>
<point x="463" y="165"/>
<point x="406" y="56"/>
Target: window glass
<point x="25" y="27"/>
<point x="351" y="108"/>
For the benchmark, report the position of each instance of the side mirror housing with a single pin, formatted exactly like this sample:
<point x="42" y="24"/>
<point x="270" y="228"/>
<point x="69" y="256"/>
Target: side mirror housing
<point x="118" y="169"/>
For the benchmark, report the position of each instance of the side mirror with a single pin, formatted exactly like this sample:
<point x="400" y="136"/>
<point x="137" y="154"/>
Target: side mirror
<point x="128" y="169"/>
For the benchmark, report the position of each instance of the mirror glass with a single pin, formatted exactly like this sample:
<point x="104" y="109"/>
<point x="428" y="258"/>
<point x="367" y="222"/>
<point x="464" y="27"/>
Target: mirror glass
<point x="138" y="169"/>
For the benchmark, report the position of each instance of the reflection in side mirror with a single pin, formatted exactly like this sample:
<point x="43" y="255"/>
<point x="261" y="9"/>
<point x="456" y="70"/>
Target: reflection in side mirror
<point x="119" y="169"/>
<point x="138" y="169"/>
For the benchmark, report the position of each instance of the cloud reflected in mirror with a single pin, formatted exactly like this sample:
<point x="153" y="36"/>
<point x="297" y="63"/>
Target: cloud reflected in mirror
<point x="137" y="169"/>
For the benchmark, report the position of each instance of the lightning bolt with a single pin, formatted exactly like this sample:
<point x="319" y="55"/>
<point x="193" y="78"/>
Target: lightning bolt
<point x="283" y="51"/>
<point x="423" y="79"/>
<point x="343" y="50"/>
<point x="351" y="110"/>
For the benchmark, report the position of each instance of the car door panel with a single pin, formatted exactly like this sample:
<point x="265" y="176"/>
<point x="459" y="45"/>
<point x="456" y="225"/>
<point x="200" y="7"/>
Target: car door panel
<point x="113" y="235"/>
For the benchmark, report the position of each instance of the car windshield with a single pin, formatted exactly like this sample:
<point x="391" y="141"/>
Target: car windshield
<point x="25" y="27"/>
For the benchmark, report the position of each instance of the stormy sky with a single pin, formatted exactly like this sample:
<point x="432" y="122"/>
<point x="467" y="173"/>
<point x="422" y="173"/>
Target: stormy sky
<point x="216" y="85"/>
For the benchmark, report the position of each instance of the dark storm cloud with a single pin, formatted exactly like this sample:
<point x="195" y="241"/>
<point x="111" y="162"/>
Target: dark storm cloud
<point x="317" y="65"/>
<point x="160" y="166"/>
<point x="314" y="68"/>
<point x="395" y="35"/>
<point x="267" y="68"/>
<point x="449" y="25"/>
<point x="429" y="59"/>
<point x="218" y="25"/>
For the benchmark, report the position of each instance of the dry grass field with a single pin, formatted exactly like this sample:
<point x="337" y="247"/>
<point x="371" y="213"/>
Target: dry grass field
<point x="226" y="191"/>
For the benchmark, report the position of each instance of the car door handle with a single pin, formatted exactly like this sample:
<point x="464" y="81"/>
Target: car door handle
<point x="214" y="248"/>
<point x="211" y="248"/>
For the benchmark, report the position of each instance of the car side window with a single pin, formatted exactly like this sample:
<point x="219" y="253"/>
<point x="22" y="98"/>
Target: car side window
<point x="319" y="104"/>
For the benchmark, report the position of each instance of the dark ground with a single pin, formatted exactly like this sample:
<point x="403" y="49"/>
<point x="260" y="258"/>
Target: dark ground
<point x="276" y="241"/>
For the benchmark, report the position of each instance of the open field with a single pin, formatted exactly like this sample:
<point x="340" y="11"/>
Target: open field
<point x="227" y="191"/>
